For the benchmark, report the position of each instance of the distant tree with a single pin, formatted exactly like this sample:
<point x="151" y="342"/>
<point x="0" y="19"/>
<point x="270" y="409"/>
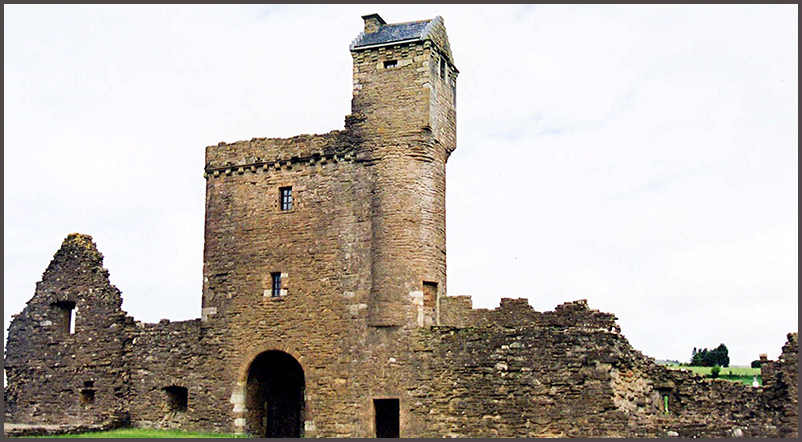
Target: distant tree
<point x="698" y="358"/>
<point x="721" y="356"/>
<point x="714" y="372"/>
<point x="709" y="358"/>
<point x="756" y="363"/>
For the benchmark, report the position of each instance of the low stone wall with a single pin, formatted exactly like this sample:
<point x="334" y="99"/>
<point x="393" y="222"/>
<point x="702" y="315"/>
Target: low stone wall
<point x="570" y="373"/>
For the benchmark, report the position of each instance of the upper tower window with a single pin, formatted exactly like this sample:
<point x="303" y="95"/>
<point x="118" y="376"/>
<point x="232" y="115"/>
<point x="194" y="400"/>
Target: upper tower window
<point x="276" y="288"/>
<point x="442" y="68"/>
<point x="285" y="198"/>
<point x="390" y="64"/>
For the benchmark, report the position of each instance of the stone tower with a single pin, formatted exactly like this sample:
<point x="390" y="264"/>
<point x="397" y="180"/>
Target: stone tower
<point x="323" y="254"/>
<point x="404" y="114"/>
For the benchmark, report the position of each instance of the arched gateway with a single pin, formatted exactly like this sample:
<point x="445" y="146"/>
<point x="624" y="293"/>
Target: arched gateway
<point x="274" y="396"/>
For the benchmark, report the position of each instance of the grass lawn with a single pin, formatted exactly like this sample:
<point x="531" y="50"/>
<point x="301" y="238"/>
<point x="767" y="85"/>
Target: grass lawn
<point x="145" y="433"/>
<point x="737" y="374"/>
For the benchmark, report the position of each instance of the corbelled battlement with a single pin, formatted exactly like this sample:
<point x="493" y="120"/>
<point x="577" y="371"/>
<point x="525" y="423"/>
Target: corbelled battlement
<point x="276" y="153"/>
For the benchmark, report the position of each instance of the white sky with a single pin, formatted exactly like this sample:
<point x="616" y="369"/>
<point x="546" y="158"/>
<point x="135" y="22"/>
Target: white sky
<point x="642" y="158"/>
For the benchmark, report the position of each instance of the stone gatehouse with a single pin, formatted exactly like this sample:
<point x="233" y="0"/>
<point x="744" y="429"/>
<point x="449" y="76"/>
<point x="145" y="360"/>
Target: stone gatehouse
<point x="324" y="306"/>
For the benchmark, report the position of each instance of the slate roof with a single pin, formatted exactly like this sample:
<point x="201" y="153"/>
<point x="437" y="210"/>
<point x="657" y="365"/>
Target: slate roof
<point x="394" y="32"/>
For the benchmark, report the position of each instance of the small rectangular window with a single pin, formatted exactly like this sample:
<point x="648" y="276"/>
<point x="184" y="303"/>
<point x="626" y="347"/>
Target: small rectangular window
<point x="276" y="284"/>
<point x="387" y="417"/>
<point x="285" y="196"/>
<point x="443" y="68"/>
<point x="176" y="398"/>
<point x="390" y="64"/>
<point x="87" y="397"/>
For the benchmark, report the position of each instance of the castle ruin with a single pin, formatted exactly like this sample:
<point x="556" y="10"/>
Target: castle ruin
<point x="324" y="306"/>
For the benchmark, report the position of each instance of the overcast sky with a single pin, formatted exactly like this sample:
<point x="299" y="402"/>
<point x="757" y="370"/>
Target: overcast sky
<point x="642" y="158"/>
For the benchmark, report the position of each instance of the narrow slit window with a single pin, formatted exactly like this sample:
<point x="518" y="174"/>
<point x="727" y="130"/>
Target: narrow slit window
<point x="443" y="68"/>
<point x="276" y="289"/>
<point x="390" y="64"/>
<point x="664" y="397"/>
<point x="64" y="316"/>
<point x="71" y="319"/>
<point x="387" y="417"/>
<point x="285" y="196"/>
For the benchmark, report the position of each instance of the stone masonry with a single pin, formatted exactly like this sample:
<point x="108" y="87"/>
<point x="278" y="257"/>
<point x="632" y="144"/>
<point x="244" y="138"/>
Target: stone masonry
<point x="324" y="310"/>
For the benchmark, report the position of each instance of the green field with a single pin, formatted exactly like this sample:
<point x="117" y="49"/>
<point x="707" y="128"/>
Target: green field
<point x="145" y="433"/>
<point x="735" y="374"/>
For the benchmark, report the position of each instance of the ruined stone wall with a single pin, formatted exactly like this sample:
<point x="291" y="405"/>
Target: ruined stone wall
<point x="781" y="381"/>
<point x="697" y="406"/>
<point x="53" y="374"/>
<point x="519" y="373"/>
<point x="110" y="370"/>
<point x="166" y="358"/>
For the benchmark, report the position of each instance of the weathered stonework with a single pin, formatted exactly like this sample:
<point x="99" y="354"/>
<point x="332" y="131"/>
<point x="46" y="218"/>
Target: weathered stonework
<point x="326" y="315"/>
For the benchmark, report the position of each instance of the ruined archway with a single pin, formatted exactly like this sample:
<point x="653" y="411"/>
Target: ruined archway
<point x="274" y="396"/>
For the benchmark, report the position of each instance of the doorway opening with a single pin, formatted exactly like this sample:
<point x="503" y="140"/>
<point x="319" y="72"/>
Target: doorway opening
<point x="275" y="396"/>
<point x="429" y="303"/>
<point x="387" y="417"/>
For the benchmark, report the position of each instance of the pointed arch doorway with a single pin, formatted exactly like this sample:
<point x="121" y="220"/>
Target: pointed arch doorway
<point x="274" y="396"/>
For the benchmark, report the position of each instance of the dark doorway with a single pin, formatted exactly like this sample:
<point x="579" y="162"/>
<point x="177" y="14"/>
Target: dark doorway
<point x="387" y="418"/>
<point x="275" y="396"/>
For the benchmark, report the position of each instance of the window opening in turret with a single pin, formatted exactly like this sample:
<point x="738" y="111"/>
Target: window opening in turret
<point x="285" y="194"/>
<point x="276" y="288"/>
<point x="387" y="417"/>
<point x="175" y="398"/>
<point x="443" y="68"/>
<point x="64" y="316"/>
<point x="390" y="64"/>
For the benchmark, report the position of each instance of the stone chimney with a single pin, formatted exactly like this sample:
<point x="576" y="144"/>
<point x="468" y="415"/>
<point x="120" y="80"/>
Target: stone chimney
<point x="372" y="23"/>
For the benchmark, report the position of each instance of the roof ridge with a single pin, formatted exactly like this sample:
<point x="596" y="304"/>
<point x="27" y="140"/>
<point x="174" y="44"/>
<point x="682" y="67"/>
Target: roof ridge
<point x="408" y="22"/>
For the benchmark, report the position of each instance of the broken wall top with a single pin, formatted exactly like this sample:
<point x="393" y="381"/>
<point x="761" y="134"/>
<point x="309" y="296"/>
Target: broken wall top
<point x="76" y="274"/>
